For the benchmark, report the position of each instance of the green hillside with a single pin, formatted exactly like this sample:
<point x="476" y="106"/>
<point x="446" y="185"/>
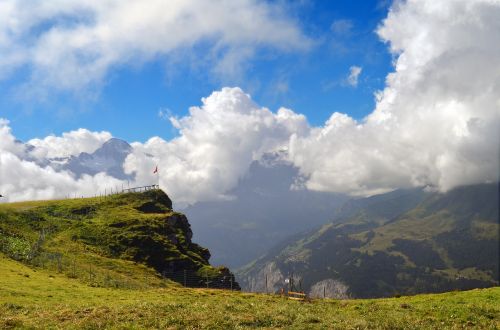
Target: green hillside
<point x="400" y="243"/>
<point x="122" y="240"/>
<point x="34" y="298"/>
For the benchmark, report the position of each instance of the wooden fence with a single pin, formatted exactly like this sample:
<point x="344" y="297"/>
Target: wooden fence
<point x="141" y="189"/>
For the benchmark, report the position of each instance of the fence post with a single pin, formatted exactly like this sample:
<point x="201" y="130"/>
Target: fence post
<point x="324" y="291"/>
<point x="59" y="265"/>
<point x="266" y="284"/>
<point x="185" y="278"/>
<point x="231" y="277"/>
<point x="206" y="273"/>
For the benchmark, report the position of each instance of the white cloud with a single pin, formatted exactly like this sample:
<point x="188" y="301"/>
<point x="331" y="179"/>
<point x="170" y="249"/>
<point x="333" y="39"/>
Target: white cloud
<point x="342" y="27"/>
<point x="217" y="143"/>
<point x="72" y="45"/>
<point x="436" y="122"/>
<point x="69" y="144"/>
<point x="164" y="113"/>
<point x="8" y="141"/>
<point x="354" y="72"/>
<point x="22" y="179"/>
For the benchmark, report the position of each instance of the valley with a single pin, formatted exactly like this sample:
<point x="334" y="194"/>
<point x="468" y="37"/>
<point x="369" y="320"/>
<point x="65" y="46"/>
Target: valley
<point x="401" y="243"/>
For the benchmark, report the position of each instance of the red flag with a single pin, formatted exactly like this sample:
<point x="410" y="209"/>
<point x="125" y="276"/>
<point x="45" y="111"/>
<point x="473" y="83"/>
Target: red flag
<point x="156" y="170"/>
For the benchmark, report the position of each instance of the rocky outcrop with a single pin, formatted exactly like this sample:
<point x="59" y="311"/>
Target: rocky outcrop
<point x="155" y="235"/>
<point x="329" y="288"/>
<point x="268" y="279"/>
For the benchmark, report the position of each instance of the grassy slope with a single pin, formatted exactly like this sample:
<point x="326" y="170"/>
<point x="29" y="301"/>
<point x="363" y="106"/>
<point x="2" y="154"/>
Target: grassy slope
<point x="39" y="299"/>
<point x="102" y="241"/>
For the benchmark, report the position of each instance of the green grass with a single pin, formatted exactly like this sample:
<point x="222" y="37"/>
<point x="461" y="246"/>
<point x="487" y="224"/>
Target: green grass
<point x="103" y="241"/>
<point x="39" y="299"/>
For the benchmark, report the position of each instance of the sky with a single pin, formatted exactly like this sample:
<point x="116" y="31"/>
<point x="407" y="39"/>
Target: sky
<point x="364" y="96"/>
<point x="312" y="78"/>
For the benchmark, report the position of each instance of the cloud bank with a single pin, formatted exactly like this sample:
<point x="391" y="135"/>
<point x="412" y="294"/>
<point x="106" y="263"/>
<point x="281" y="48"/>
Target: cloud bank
<point x="436" y="124"/>
<point x="72" y="45"/>
<point x="69" y="144"/>
<point x="23" y="178"/>
<point x="217" y="143"/>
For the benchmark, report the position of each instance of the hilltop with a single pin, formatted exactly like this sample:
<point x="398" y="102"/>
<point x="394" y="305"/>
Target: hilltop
<point x="401" y="243"/>
<point x="122" y="240"/>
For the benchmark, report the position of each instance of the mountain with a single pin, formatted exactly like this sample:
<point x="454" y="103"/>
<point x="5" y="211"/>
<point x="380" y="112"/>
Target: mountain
<point x="264" y="210"/>
<point x="404" y="242"/>
<point x="109" y="158"/>
<point x="118" y="239"/>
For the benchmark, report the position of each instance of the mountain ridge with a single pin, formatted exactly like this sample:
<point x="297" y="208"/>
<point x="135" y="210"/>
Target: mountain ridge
<point x="265" y="210"/>
<point x="444" y="242"/>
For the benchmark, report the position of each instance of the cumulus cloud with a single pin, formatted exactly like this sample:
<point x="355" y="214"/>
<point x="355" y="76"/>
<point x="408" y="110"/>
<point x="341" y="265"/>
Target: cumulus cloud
<point x="69" y="144"/>
<point x="216" y="144"/>
<point x="354" y="72"/>
<point x="7" y="140"/>
<point x="436" y="123"/>
<point x="71" y="45"/>
<point x="24" y="179"/>
<point x="342" y="27"/>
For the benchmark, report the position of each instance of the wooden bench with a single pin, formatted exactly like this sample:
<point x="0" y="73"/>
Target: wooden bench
<point x="301" y="296"/>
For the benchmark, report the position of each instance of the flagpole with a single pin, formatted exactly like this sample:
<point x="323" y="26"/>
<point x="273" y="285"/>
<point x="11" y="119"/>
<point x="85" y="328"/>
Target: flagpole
<point x="158" y="176"/>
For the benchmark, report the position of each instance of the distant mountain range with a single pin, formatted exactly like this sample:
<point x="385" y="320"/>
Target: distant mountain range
<point x="404" y="242"/>
<point x="109" y="158"/>
<point x="265" y="210"/>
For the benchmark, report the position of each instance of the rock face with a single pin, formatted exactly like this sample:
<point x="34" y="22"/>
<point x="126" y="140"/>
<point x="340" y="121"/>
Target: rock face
<point x="268" y="279"/>
<point x="329" y="288"/>
<point x="166" y="245"/>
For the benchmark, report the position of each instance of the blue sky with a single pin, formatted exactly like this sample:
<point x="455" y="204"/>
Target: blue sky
<point x="311" y="81"/>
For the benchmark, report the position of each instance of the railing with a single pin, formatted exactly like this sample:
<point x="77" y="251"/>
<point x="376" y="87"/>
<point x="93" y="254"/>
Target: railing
<point x="141" y="189"/>
<point x="203" y="280"/>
